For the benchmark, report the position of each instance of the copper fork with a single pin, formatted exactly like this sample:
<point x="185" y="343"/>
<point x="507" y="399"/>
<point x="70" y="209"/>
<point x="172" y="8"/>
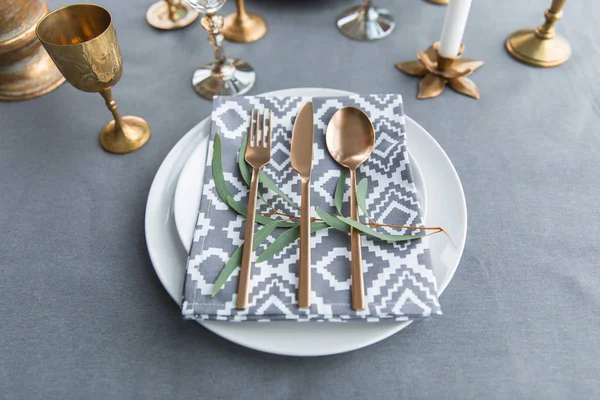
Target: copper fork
<point x="258" y="154"/>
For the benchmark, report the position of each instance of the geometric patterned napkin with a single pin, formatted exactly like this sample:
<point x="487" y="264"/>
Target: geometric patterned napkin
<point x="398" y="277"/>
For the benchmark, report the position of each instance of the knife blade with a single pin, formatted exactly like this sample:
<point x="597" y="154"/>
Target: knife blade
<point x="301" y="154"/>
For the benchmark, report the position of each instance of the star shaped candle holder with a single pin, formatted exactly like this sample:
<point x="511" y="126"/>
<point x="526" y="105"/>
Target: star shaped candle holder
<point x="437" y="71"/>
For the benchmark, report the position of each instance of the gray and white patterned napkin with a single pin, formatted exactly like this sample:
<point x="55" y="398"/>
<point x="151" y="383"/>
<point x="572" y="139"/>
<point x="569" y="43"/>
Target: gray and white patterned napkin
<point x="398" y="277"/>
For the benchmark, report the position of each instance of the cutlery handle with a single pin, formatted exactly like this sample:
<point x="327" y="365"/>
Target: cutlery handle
<point x="244" y="279"/>
<point x="304" y="271"/>
<point x="358" y="299"/>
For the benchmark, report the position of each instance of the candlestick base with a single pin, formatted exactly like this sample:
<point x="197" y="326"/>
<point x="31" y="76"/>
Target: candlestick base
<point x="439" y="2"/>
<point x="158" y="15"/>
<point x="437" y="71"/>
<point x="526" y="46"/>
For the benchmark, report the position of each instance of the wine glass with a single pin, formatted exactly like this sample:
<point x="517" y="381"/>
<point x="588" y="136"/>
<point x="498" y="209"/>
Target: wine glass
<point x="366" y="22"/>
<point x="224" y="76"/>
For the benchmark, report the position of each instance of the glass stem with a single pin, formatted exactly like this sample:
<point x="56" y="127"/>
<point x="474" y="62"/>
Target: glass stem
<point x="213" y="23"/>
<point x="112" y="106"/>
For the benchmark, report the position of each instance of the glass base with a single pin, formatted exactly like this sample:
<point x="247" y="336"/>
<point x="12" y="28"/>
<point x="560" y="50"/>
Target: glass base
<point x="366" y="23"/>
<point x="237" y="78"/>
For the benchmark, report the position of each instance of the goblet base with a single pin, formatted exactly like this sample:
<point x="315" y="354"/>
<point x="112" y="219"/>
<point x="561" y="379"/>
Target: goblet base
<point x="365" y="23"/>
<point x="239" y="79"/>
<point x="134" y="134"/>
<point x="158" y="16"/>
<point x="244" y="28"/>
<point x="525" y="46"/>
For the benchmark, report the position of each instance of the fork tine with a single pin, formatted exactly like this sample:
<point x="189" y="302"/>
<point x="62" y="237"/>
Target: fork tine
<point x="250" y="129"/>
<point x="270" y="132"/>
<point x="256" y="128"/>
<point x="264" y="128"/>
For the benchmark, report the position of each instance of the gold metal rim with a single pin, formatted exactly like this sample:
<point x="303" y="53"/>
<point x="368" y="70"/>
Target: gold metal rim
<point x="45" y="17"/>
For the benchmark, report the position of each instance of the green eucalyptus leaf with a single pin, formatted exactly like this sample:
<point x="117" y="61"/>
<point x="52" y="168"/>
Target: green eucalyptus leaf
<point x="332" y="221"/>
<point x="243" y="166"/>
<point x="286" y="238"/>
<point x="361" y="195"/>
<point x="382" y="236"/>
<point x="217" y="171"/>
<point x="236" y="258"/>
<point x="339" y="191"/>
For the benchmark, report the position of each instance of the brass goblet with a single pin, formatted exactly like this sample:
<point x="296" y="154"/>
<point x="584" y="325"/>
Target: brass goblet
<point x="82" y="42"/>
<point x="244" y="27"/>
<point x="170" y="14"/>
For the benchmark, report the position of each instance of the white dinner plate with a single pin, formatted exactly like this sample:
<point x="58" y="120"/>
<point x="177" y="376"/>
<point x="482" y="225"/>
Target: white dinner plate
<point x="446" y="207"/>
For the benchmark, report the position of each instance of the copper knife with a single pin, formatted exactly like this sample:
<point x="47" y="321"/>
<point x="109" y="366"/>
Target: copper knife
<point x="301" y="158"/>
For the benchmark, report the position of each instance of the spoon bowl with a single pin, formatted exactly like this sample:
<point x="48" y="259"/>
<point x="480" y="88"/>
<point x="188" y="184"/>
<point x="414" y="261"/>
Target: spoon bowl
<point x="350" y="137"/>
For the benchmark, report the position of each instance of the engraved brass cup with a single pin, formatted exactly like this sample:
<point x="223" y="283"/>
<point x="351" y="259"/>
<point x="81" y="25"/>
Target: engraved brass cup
<point x="82" y="42"/>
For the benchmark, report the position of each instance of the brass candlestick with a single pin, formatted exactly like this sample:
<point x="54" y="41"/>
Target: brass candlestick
<point x="541" y="47"/>
<point x="83" y="44"/>
<point x="437" y="71"/>
<point x="244" y="27"/>
<point x="170" y="14"/>
<point x="26" y="71"/>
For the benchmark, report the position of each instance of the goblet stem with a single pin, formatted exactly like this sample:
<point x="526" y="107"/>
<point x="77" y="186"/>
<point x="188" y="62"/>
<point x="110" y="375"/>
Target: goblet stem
<point x="241" y="10"/>
<point x="112" y="106"/>
<point x="172" y="10"/>
<point x="213" y="23"/>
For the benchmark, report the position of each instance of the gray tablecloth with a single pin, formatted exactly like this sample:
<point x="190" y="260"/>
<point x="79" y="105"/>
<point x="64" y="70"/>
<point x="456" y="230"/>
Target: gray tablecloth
<point x="83" y="314"/>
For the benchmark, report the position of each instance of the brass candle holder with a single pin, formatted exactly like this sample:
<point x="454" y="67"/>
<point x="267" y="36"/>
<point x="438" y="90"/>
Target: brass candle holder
<point x="170" y="14"/>
<point x="82" y="42"/>
<point x="244" y="27"/>
<point x="437" y="71"/>
<point x="26" y="70"/>
<point x="541" y="47"/>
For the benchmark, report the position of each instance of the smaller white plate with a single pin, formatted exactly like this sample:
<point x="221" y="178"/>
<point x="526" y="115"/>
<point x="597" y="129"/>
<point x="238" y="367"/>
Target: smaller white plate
<point x="189" y="190"/>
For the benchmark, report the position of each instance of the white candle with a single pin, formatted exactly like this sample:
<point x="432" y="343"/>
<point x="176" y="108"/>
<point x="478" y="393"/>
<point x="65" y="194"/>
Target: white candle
<point x="454" y="27"/>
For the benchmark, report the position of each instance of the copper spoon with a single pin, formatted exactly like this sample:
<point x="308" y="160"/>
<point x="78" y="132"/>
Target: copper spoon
<point x="350" y="140"/>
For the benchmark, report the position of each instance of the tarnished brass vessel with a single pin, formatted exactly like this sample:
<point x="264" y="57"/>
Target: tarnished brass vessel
<point x="26" y="70"/>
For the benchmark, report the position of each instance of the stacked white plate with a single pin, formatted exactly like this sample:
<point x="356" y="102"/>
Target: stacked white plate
<point x="172" y="208"/>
